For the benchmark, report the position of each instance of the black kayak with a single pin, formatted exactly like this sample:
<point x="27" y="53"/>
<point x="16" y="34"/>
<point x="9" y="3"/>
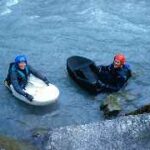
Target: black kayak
<point x="84" y="72"/>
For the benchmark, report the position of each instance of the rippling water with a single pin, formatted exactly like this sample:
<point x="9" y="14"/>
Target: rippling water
<point x="48" y="32"/>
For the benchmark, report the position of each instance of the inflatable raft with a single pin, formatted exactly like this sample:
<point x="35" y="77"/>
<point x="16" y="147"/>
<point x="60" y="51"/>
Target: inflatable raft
<point x="42" y="93"/>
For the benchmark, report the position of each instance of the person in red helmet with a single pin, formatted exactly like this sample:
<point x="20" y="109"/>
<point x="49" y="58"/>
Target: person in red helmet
<point x="114" y="76"/>
<point x="119" y="61"/>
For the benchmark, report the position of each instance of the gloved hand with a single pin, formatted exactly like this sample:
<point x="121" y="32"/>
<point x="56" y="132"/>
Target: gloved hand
<point x="47" y="82"/>
<point x="101" y="85"/>
<point x="29" y="97"/>
<point x="99" y="68"/>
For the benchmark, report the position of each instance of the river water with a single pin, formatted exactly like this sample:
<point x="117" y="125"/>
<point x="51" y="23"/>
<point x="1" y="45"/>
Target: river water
<point x="50" y="31"/>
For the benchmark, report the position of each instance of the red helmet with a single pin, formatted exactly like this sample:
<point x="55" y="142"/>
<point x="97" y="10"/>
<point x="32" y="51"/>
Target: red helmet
<point x="121" y="58"/>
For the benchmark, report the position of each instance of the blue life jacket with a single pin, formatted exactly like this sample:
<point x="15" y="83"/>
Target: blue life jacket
<point x="22" y="76"/>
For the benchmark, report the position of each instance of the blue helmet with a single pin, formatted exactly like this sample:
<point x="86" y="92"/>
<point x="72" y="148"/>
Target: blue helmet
<point x="21" y="58"/>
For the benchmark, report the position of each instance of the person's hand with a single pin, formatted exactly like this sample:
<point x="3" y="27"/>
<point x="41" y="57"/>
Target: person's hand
<point x="29" y="97"/>
<point x="47" y="82"/>
<point x="100" y="84"/>
<point x="99" y="69"/>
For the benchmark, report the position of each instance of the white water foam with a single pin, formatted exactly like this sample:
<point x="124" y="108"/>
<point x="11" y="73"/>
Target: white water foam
<point x="12" y="3"/>
<point x="6" y="11"/>
<point x="105" y="18"/>
<point x="8" y="5"/>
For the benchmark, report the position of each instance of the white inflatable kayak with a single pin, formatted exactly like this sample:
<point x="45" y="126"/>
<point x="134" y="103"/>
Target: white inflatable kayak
<point x="42" y="93"/>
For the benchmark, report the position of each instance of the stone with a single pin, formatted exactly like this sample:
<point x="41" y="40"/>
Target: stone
<point x="111" y="106"/>
<point x="8" y="143"/>
<point x="123" y="133"/>
<point x="142" y="110"/>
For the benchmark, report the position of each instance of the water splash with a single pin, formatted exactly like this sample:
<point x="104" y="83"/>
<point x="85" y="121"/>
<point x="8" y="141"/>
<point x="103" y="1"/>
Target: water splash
<point x="6" y="11"/>
<point x="12" y="3"/>
<point x="8" y="5"/>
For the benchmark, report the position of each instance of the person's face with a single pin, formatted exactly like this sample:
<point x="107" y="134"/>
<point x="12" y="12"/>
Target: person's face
<point x="22" y="65"/>
<point x="117" y="64"/>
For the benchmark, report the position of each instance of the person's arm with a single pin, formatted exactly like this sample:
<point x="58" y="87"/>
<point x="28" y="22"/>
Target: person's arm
<point x="38" y="74"/>
<point x="129" y="72"/>
<point x="15" y="84"/>
<point x="104" y="68"/>
<point x="114" y="88"/>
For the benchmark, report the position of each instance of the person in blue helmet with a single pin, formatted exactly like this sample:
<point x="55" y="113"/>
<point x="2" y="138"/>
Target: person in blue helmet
<point x="18" y="74"/>
<point x="114" y="76"/>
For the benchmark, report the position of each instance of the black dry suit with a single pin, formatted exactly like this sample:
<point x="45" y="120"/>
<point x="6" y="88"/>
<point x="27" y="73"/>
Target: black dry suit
<point x="19" y="78"/>
<point x="113" y="79"/>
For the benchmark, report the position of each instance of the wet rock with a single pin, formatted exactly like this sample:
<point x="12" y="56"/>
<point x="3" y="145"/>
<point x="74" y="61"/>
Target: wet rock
<point x="124" y="133"/>
<point x="142" y="110"/>
<point x="111" y="106"/>
<point x="40" y="137"/>
<point x="39" y="132"/>
<point x="7" y="143"/>
<point x="129" y="96"/>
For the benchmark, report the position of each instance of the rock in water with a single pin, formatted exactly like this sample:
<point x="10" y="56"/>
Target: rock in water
<point x="111" y="106"/>
<point x="7" y="143"/>
<point x="142" y="110"/>
<point x="123" y="133"/>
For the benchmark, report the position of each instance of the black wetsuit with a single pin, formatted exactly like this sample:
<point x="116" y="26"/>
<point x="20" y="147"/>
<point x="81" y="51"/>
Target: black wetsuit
<point x="113" y="79"/>
<point x="19" y="78"/>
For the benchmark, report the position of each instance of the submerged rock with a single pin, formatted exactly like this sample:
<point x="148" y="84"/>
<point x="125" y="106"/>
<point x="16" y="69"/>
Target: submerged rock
<point x="142" y="110"/>
<point x="111" y="106"/>
<point x="39" y="132"/>
<point x="40" y="137"/>
<point x="128" y="96"/>
<point x="124" y="133"/>
<point x="7" y="143"/>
